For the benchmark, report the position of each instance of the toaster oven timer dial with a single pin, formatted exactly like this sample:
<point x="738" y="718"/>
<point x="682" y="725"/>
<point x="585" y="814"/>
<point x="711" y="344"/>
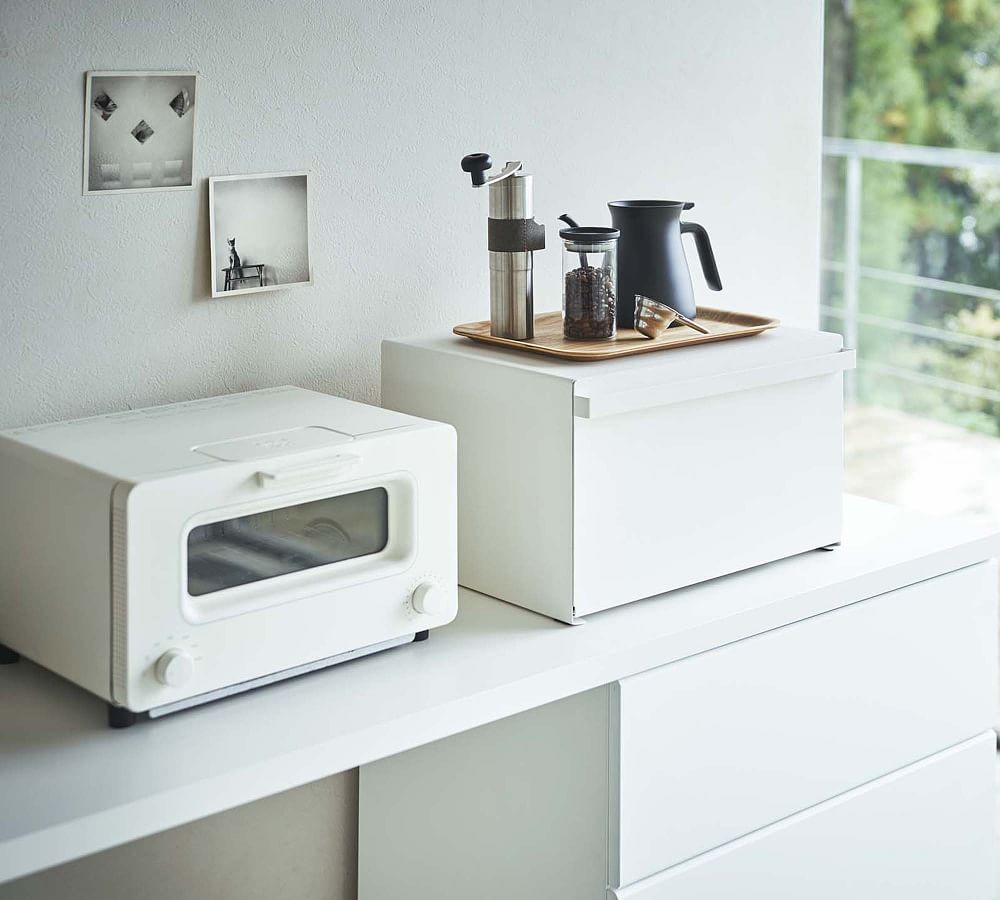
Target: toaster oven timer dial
<point x="429" y="598"/>
<point x="174" y="668"/>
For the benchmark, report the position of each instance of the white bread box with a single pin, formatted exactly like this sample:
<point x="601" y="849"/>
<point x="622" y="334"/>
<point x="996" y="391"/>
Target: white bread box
<point x="586" y="485"/>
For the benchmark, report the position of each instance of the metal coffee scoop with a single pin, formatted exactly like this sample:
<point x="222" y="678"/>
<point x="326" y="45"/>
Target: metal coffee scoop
<point x="653" y="318"/>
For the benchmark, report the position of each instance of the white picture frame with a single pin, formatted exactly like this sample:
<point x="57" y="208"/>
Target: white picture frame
<point x="115" y="161"/>
<point x="274" y="207"/>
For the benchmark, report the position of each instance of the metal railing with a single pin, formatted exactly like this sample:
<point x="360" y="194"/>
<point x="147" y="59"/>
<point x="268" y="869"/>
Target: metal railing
<point x="855" y="153"/>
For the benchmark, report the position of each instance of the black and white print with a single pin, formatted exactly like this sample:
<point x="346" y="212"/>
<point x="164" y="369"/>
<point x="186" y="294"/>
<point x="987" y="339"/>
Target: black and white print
<point x="259" y="229"/>
<point x="139" y="132"/>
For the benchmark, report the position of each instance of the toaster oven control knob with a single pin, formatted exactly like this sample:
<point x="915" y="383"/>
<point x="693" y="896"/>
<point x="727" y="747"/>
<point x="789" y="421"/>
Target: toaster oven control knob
<point x="429" y="598"/>
<point x="174" y="668"/>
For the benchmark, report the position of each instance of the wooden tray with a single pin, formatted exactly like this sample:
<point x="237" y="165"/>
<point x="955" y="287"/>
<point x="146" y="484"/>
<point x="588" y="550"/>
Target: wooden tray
<point x="722" y="324"/>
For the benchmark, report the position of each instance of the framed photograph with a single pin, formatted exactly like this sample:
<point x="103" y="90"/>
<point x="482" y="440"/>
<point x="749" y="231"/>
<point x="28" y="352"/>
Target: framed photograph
<point x="139" y="132"/>
<point x="259" y="229"/>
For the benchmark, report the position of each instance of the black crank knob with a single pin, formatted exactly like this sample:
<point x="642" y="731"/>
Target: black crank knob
<point x="476" y="165"/>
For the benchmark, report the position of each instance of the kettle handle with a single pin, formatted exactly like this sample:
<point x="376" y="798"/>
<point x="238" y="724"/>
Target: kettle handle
<point x="705" y="253"/>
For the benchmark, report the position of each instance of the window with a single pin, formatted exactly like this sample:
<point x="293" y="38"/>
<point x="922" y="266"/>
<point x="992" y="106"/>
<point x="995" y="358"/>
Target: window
<point x="911" y="245"/>
<point x="285" y="540"/>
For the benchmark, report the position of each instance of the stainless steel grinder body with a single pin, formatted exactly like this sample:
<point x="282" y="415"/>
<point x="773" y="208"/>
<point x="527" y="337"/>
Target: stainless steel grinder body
<point x="514" y="235"/>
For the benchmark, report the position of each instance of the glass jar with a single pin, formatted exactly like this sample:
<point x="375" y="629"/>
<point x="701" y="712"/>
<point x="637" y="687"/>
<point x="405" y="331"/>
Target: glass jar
<point x="590" y="282"/>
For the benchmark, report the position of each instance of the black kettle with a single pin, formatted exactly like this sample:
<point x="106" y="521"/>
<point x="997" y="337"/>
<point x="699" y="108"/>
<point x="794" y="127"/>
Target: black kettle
<point x="651" y="258"/>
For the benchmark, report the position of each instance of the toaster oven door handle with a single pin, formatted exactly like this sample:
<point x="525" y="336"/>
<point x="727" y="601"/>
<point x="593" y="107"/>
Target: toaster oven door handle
<point x="313" y="471"/>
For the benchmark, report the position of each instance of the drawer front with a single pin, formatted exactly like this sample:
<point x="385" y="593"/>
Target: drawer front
<point x="729" y="741"/>
<point x="923" y="833"/>
<point x="678" y="494"/>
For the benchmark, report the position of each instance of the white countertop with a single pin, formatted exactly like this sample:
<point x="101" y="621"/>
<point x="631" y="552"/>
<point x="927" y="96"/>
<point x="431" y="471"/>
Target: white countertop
<point x="69" y="786"/>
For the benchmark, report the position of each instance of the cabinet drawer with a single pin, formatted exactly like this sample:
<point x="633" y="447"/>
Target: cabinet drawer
<point x="726" y="742"/>
<point x="923" y="833"/>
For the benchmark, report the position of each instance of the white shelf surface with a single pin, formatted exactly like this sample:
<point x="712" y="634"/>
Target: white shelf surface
<point x="69" y="786"/>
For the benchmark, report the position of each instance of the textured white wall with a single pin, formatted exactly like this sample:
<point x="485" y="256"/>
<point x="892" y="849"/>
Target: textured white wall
<point x="106" y="298"/>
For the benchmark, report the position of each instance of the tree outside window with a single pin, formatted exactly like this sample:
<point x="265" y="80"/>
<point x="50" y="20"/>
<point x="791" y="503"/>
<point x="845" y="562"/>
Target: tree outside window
<point x="923" y="74"/>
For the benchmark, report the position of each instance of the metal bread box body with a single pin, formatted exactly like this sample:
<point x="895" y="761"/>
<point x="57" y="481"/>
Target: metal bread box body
<point x="584" y="486"/>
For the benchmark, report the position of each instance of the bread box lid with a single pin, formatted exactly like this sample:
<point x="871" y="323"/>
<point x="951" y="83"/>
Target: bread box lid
<point x="629" y="383"/>
<point x="658" y="379"/>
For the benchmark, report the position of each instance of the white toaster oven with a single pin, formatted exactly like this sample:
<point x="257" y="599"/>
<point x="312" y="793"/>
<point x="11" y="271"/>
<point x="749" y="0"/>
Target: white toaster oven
<point x="164" y="557"/>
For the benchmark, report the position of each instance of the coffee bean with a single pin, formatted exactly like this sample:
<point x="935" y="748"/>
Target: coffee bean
<point x="589" y="303"/>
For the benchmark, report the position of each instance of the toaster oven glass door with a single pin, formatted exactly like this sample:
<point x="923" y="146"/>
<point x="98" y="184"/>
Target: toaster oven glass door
<point x="276" y="542"/>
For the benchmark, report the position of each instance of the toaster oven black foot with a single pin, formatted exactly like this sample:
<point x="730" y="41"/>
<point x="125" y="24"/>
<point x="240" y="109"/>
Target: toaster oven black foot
<point x="421" y="636"/>
<point x="119" y="717"/>
<point x="8" y="656"/>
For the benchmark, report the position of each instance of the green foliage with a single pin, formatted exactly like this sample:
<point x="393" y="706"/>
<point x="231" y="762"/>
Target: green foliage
<point x="920" y="72"/>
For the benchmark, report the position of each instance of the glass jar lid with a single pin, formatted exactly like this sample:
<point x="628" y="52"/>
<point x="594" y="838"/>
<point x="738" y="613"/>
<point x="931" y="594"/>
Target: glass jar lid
<point x="589" y="234"/>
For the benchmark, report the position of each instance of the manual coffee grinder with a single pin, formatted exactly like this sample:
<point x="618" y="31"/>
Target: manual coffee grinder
<point x="514" y="235"/>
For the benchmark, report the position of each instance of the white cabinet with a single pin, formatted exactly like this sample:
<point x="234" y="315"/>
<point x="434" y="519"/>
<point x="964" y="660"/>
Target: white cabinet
<point x="716" y="745"/>
<point x="923" y="833"/>
<point x="621" y="788"/>
<point x="483" y="814"/>
<point x="589" y="485"/>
